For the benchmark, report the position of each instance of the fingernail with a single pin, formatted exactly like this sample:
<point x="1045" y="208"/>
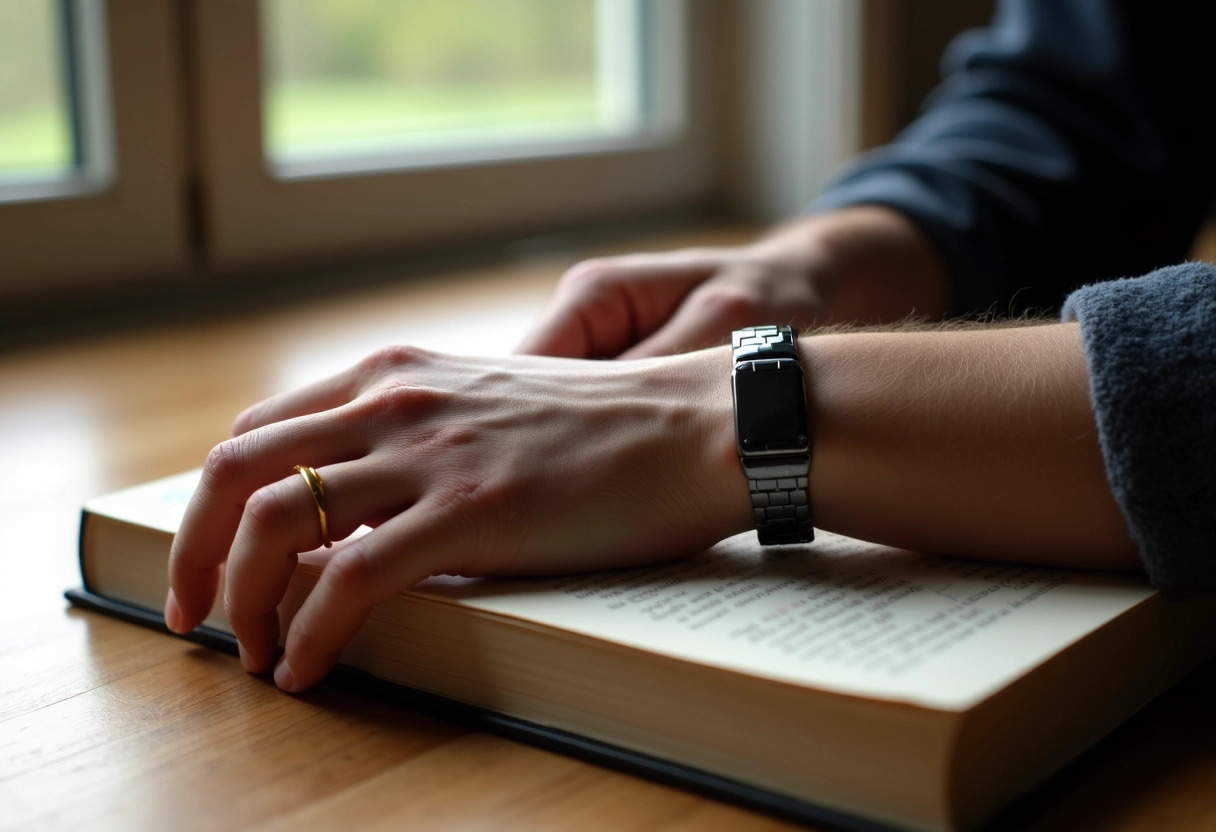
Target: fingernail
<point x="283" y="677"/>
<point x="173" y="613"/>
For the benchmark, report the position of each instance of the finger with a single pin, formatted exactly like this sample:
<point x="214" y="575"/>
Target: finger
<point x="319" y="396"/>
<point x="604" y="306"/>
<point x="233" y="471"/>
<point x="706" y="318"/>
<point x="332" y="392"/>
<point x="564" y="332"/>
<point x="409" y="548"/>
<point x="281" y="520"/>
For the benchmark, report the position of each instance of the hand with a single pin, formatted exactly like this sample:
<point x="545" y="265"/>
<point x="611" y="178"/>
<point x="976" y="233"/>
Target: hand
<point x="463" y="466"/>
<point x="644" y="305"/>
<point x="866" y="263"/>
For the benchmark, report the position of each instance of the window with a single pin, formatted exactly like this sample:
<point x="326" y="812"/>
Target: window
<point x="447" y="145"/>
<point x="90" y="142"/>
<point x="145" y="137"/>
<point x="35" y="121"/>
<point x="54" y="107"/>
<point x="366" y="84"/>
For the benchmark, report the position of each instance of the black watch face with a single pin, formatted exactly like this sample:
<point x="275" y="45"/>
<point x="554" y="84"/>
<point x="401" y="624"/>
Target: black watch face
<point x="770" y="406"/>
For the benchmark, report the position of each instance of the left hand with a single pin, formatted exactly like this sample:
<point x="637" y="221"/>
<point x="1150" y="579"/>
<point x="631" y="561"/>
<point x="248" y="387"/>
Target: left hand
<point x="466" y="466"/>
<point x="646" y="305"/>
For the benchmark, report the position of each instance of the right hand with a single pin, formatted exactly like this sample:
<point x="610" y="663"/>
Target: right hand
<point x="645" y="305"/>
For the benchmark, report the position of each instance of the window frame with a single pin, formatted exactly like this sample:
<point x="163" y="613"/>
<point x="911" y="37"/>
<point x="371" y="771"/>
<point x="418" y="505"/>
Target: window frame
<point x="124" y="215"/>
<point x="253" y="217"/>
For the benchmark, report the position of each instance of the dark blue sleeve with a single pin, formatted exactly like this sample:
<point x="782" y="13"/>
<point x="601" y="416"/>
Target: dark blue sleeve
<point x="1070" y="141"/>
<point x="1150" y="347"/>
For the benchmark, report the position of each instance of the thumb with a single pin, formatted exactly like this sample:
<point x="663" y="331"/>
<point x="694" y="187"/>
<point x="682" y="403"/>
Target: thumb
<point x="705" y="319"/>
<point x="562" y="332"/>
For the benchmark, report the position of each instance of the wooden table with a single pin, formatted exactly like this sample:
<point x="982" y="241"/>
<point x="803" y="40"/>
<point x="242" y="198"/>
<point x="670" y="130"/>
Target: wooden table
<point x="105" y="725"/>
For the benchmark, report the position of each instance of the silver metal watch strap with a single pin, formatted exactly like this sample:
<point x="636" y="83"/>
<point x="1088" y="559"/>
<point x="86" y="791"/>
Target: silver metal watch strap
<point x="778" y="485"/>
<point x="779" y="502"/>
<point x="764" y="342"/>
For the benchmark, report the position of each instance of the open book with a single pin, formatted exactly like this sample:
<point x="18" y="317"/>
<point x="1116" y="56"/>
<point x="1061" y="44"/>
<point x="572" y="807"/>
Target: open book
<point x="901" y="689"/>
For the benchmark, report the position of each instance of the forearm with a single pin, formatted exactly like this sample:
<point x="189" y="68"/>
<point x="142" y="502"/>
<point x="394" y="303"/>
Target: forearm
<point x="1060" y="148"/>
<point x="979" y="443"/>
<point x="867" y="264"/>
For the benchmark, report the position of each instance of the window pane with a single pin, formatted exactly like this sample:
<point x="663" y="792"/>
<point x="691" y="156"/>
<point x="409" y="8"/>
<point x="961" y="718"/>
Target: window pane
<point x="35" y="121"/>
<point x="346" y="78"/>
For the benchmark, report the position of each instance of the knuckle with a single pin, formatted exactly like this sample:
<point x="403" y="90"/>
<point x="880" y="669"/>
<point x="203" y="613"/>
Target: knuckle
<point x="588" y="277"/>
<point x="727" y="304"/>
<point x="399" y="399"/>
<point x="226" y="461"/>
<point x="269" y="508"/>
<point x="465" y="494"/>
<point x="387" y="359"/>
<point x="455" y="436"/>
<point x="304" y="640"/>
<point x="351" y="573"/>
<point x="488" y="514"/>
<point x="233" y="609"/>
<point x="242" y="612"/>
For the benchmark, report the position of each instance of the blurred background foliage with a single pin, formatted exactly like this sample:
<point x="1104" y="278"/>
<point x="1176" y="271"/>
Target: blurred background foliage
<point x="351" y="73"/>
<point x="437" y="43"/>
<point x="378" y="72"/>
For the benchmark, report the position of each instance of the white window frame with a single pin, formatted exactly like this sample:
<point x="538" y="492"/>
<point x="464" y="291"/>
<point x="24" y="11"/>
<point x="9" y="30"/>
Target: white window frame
<point x="252" y="215"/>
<point x="179" y="184"/>
<point x="798" y="116"/>
<point x="124" y="214"/>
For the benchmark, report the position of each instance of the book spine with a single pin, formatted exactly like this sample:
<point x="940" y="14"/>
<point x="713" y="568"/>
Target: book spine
<point x="85" y="514"/>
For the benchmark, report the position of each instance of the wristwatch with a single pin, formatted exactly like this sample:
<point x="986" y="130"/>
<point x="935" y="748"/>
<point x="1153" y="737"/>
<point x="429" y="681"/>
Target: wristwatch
<point x="771" y="432"/>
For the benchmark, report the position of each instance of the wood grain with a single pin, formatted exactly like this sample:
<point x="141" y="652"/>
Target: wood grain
<point x="104" y="725"/>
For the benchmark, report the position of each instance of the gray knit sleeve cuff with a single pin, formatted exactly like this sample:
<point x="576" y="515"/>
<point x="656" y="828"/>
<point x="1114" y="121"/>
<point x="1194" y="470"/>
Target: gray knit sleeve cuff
<point x="1150" y="344"/>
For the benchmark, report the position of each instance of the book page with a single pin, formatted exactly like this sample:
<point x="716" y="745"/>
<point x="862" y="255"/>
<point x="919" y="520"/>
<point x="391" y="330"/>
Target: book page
<point x="159" y="504"/>
<point x="838" y="614"/>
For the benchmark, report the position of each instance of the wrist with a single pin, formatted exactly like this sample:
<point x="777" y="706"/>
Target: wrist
<point x="866" y="263"/>
<point x="772" y="432"/>
<point x="716" y="479"/>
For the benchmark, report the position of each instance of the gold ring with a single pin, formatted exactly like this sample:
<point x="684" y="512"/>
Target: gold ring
<point x="317" y="488"/>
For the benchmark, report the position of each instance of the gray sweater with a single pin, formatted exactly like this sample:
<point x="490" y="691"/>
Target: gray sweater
<point x="1150" y="343"/>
